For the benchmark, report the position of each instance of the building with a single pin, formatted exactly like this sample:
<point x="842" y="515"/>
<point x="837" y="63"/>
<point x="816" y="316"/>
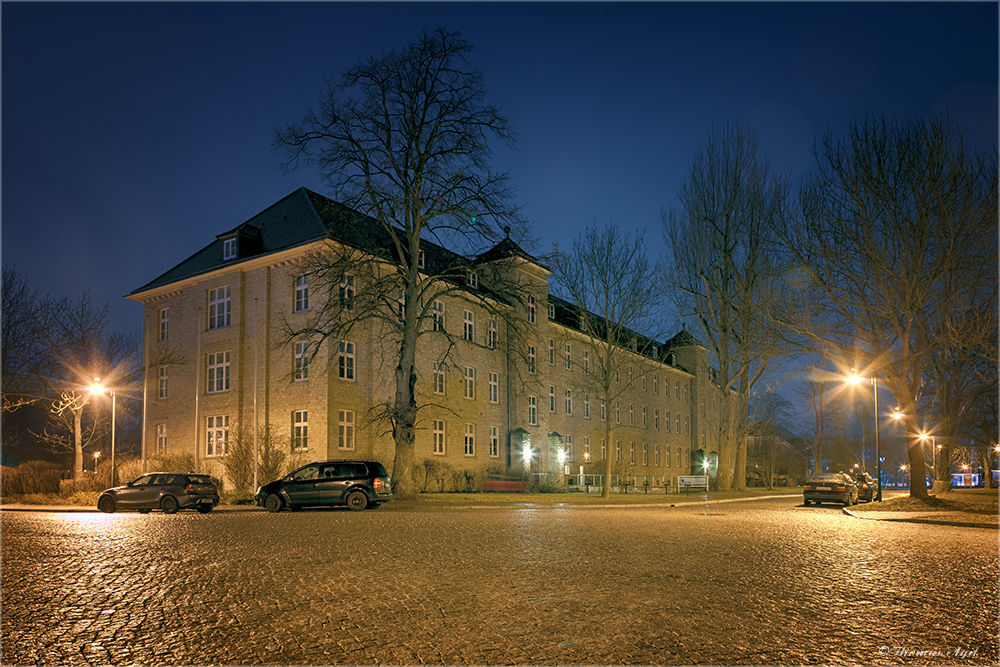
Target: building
<point x="215" y="359"/>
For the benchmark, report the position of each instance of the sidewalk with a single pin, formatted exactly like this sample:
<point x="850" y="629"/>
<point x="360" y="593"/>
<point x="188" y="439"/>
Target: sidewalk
<point x="940" y="518"/>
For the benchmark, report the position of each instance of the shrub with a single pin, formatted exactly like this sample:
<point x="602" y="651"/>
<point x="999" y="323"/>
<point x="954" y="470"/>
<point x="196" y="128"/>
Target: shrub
<point x="31" y="477"/>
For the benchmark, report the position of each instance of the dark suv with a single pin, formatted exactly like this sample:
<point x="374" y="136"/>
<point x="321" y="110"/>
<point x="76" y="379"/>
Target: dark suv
<point x="867" y="487"/>
<point x="167" y="491"/>
<point x="357" y="484"/>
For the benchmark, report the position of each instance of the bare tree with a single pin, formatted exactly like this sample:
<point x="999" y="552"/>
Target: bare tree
<point x="887" y="221"/>
<point x="404" y="139"/>
<point x="613" y="286"/>
<point x="23" y="358"/>
<point x="721" y="252"/>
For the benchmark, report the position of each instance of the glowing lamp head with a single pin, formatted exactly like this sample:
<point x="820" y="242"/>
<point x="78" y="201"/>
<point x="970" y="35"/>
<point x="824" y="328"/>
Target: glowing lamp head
<point x="97" y="387"/>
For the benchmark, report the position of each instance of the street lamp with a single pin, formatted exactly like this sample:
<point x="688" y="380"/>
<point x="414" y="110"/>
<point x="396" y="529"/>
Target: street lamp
<point x="855" y="379"/>
<point x="97" y="389"/>
<point x="97" y="455"/>
<point x="934" y="450"/>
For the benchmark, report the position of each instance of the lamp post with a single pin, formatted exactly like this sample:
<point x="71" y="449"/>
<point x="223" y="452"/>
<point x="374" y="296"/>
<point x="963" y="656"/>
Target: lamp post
<point x="855" y="379"/>
<point x="97" y="389"/>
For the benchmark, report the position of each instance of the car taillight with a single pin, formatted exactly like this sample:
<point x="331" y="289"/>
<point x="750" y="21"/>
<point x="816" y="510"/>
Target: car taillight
<point x="865" y="485"/>
<point x="189" y="488"/>
<point x="379" y="484"/>
<point x="841" y="489"/>
<point x="808" y="488"/>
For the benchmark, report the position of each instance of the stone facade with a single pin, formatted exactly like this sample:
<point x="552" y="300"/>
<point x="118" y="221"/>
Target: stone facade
<point x="215" y="362"/>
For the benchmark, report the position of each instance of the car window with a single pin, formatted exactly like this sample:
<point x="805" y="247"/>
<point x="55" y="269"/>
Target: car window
<point x="378" y="470"/>
<point x="162" y="480"/>
<point x="200" y="479"/>
<point x="141" y="481"/>
<point x="307" y="473"/>
<point x="332" y="471"/>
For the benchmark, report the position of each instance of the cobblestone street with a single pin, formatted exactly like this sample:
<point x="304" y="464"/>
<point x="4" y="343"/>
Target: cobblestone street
<point x="766" y="582"/>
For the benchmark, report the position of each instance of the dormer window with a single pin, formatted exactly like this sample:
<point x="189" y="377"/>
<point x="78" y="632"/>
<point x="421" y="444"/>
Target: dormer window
<point x="552" y="312"/>
<point x="229" y="249"/>
<point x="422" y="260"/>
<point x="472" y="279"/>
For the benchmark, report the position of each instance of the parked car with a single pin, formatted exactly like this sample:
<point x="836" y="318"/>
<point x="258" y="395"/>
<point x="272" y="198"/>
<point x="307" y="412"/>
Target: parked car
<point x="830" y="487"/>
<point x="867" y="487"/>
<point x="357" y="484"/>
<point x="166" y="491"/>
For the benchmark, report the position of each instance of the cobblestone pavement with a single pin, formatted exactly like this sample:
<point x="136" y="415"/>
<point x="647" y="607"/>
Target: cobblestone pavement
<point x="766" y="582"/>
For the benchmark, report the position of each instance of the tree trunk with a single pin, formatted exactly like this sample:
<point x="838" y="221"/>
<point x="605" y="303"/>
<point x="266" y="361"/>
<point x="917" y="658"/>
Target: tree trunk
<point x="608" y="434"/>
<point x="78" y="443"/>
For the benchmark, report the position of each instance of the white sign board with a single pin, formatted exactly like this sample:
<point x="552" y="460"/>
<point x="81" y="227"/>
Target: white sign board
<point x="692" y="481"/>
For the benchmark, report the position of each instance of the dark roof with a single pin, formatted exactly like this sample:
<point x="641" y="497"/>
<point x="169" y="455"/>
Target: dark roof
<point x="683" y="339"/>
<point x="507" y="248"/>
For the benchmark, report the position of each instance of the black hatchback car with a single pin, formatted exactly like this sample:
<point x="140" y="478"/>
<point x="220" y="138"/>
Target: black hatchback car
<point x="357" y="484"/>
<point x="166" y="491"/>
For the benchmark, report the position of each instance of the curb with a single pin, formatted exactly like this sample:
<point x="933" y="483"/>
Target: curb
<point x="935" y="522"/>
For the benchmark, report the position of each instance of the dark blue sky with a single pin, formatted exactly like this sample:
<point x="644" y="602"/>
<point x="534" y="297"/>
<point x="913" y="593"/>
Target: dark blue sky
<point x="134" y="133"/>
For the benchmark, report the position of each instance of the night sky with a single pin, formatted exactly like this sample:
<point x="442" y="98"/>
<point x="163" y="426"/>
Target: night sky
<point x="134" y="133"/>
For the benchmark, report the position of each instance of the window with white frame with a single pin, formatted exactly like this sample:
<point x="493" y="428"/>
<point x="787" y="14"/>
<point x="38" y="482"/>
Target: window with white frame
<point x="552" y="311"/>
<point x="644" y="383"/>
<point x="229" y="249"/>
<point x="491" y="333"/>
<point x="163" y="377"/>
<point x="569" y="448"/>
<point x="586" y="361"/>
<point x="164" y="324"/>
<point x="345" y="360"/>
<point x="666" y="458"/>
<point x="401" y="305"/>
<point x="472" y="279"/>
<point x="604" y="410"/>
<point x="631" y="453"/>
<point x="531" y="310"/>
<point x="677" y="390"/>
<point x="470" y="382"/>
<point x="218" y="435"/>
<point x="218" y="372"/>
<point x="161" y="438"/>
<point x="300" y="430"/>
<point x="678" y="458"/>
<point x="618" y="412"/>
<point x="618" y="451"/>
<point x="346" y="292"/>
<point x="687" y="457"/>
<point x="552" y="398"/>
<point x="631" y="374"/>
<point x="494" y="388"/>
<point x="531" y="358"/>
<point x="438" y="378"/>
<point x="569" y="356"/>
<point x="685" y="393"/>
<point x="644" y="423"/>
<point x="645" y="454"/>
<point x="604" y="449"/>
<point x="532" y="411"/>
<point x="687" y="425"/>
<point x="666" y="422"/>
<point x="468" y="325"/>
<point x="422" y="260"/>
<point x="439" y="437"/>
<point x="656" y="384"/>
<point x="656" y="419"/>
<point x="494" y="442"/>
<point x="678" y="422"/>
<point x="631" y="414"/>
<point x="220" y="303"/>
<point x="586" y="449"/>
<point x="569" y="401"/>
<point x="301" y="368"/>
<point x="438" y="312"/>
<point x="552" y="351"/>
<point x="586" y="406"/>
<point x="345" y="429"/>
<point x="301" y="294"/>
<point x="656" y="455"/>
<point x="470" y="439"/>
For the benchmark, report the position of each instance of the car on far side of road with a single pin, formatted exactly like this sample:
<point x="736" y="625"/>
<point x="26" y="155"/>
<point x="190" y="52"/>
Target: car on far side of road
<point x="357" y="484"/>
<point x="867" y="487"/>
<point x="834" y="487"/>
<point x="166" y="491"/>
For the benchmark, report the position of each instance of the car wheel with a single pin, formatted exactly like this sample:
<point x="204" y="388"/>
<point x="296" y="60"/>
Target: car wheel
<point x="169" y="505"/>
<point x="273" y="503"/>
<point x="204" y="509"/>
<point x="106" y="504"/>
<point x="807" y="503"/>
<point x="357" y="500"/>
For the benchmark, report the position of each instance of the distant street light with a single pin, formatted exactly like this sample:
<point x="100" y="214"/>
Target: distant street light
<point x="934" y="449"/>
<point x="97" y="389"/>
<point x="856" y="379"/>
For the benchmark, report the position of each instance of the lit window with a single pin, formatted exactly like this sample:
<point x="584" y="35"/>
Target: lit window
<point x="586" y="450"/>
<point x="220" y="302"/>
<point x="345" y="360"/>
<point x="218" y="372"/>
<point x="218" y="435"/>
<point x="300" y="430"/>
<point x="301" y="294"/>
<point x="345" y="429"/>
